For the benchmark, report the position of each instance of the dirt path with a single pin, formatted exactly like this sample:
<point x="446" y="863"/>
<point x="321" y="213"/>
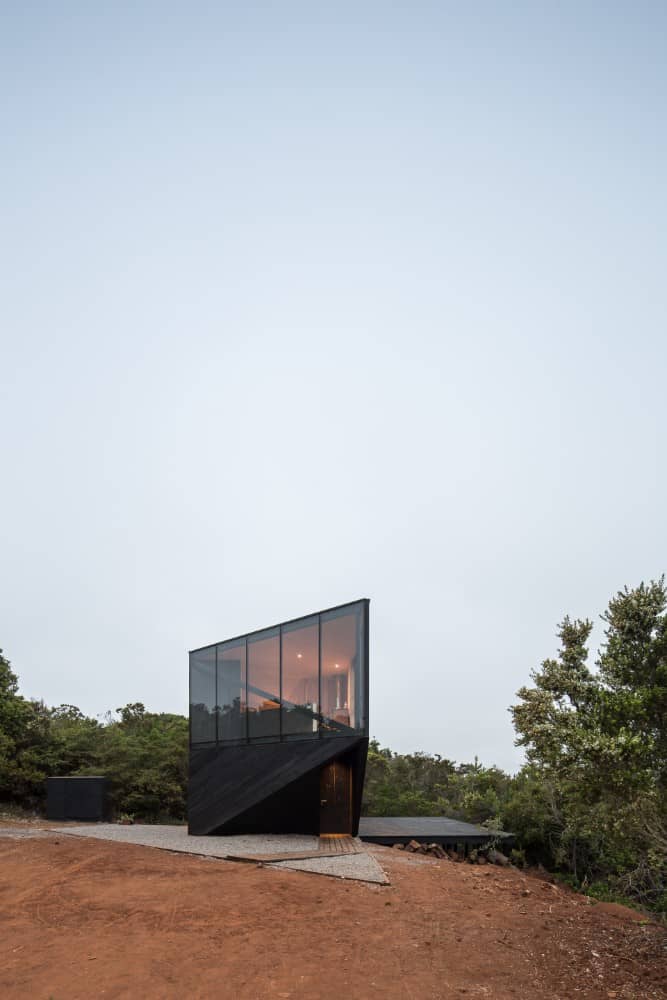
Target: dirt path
<point x="84" y="918"/>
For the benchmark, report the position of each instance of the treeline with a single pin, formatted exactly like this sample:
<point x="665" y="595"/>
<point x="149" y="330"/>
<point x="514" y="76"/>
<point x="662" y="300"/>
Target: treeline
<point x="590" y="803"/>
<point x="144" y="754"/>
<point x="421" y="784"/>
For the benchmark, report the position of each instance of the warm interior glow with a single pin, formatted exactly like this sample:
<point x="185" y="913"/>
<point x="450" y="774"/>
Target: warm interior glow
<point x="275" y="688"/>
<point x="340" y="645"/>
<point x="300" y="646"/>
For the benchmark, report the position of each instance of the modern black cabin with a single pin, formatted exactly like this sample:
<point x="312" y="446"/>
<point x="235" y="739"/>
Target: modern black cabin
<point x="279" y="727"/>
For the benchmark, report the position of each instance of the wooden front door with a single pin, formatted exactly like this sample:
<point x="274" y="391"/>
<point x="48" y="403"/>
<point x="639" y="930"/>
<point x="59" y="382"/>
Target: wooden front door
<point x="335" y="798"/>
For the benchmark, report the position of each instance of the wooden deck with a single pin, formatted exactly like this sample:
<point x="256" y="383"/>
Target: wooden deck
<point x="326" y="847"/>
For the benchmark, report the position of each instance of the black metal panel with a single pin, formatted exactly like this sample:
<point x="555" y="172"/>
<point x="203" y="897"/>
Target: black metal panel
<point x="78" y="798"/>
<point x="267" y="788"/>
<point x="359" y="755"/>
<point x="55" y="798"/>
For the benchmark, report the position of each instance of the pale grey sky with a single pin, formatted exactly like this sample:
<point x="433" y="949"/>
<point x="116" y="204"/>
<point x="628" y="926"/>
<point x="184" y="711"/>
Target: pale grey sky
<point x="304" y="303"/>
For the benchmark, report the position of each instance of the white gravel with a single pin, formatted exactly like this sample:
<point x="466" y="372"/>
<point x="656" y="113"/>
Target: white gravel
<point x="176" y="838"/>
<point x="360" y="867"/>
<point x="22" y="832"/>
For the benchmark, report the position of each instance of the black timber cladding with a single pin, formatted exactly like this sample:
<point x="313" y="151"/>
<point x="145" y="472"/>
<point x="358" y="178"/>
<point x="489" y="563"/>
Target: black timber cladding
<point x="270" y="787"/>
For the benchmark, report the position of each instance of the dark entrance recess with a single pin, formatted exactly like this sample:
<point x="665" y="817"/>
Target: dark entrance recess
<point x="335" y="797"/>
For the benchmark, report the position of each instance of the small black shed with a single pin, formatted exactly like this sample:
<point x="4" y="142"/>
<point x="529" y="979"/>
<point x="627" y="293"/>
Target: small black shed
<point x="83" y="798"/>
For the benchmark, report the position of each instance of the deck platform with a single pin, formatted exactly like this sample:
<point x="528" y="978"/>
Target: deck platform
<point x="426" y="829"/>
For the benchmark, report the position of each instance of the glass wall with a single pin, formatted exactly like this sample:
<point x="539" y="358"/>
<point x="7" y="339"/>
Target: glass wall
<point x="342" y="676"/>
<point x="300" y="690"/>
<point x="202" y="696"/>
<point x="264" y="684"/>
<point x="305" y="679"/>
<point x="232" y="696"/>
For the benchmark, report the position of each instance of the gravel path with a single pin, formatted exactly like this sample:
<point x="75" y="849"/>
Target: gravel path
<point x="175" y="838"/>
<point x="22" y="832"/>
<point x="361" y="867"/>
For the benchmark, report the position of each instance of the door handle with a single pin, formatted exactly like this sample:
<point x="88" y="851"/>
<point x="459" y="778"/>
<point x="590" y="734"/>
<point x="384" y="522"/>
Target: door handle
<point x="323" y="802"/>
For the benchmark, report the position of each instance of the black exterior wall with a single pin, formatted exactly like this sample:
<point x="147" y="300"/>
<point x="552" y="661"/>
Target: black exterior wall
<point x="82" y="798"/>
<point x="268" y="788"/>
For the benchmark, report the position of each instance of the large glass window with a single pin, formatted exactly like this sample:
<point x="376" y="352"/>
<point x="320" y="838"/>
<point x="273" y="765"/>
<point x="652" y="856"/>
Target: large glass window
<point x="304" y="679"/>
<point x="202" y="695"/>
<point x="300" y="691"/>
<point x="342" y="638"/>
<point x="231" y="690"/>
<point x="264" y="684"/>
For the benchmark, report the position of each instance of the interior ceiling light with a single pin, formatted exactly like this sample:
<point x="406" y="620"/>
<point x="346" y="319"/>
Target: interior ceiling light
<point x="299" y="656"/>
<point x="337" y="665"/>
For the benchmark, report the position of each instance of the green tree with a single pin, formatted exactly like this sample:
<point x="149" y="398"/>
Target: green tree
<point x="596" y="744"/>
<point x="75" y="740"/>
<point x="421" y="784"/>
<point x="145" y="756"/>
<point x="25" y="743"/>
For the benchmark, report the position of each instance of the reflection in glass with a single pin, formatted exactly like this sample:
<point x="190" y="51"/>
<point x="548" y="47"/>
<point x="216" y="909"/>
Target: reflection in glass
<point x="300" y="680"/>
<point x="202" y="695"/>
<point x="231" y="690"/>
<point x="264" y="684"/>
<point x="300" y="694"/>
<point x="342" y="673"/>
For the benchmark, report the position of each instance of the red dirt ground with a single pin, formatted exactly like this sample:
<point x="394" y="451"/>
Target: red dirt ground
<point x="88" y="918"/>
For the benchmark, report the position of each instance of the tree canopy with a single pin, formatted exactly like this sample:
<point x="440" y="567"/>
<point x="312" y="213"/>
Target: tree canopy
<point x="596" y="741"/>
